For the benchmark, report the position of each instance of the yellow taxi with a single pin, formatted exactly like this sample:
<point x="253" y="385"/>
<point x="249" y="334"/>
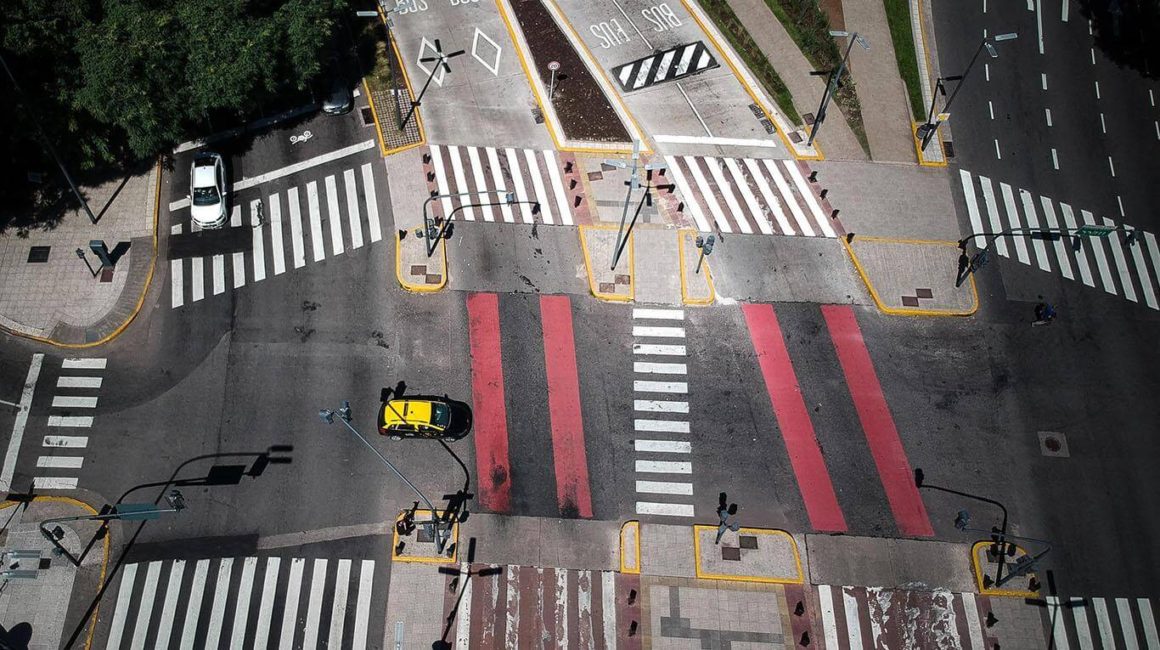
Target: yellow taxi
<point x="425" y="417"/>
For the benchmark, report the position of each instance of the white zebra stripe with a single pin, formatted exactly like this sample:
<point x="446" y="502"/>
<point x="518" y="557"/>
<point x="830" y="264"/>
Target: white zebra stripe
<point x="993" y="214"/>
<point x="1060" y="242"/>
<point x="726" y="191"/>
<point x="664" y="487"/>
<point x="1033" y="221"/>
<point x="768" y="195"/>
<point x="660" y="406"/>
<point x="1096" y="244"/>
<point x="1116" y="241"/>
<point x="319" y="249"/>
<point x="661" y="426"/>
<point x="707" y="194"/>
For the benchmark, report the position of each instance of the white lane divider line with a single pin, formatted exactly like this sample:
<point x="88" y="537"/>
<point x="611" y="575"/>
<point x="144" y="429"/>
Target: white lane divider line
<point x="277" y="248"/>
<point x="659" y="332"/>
<point x="663" y="446"/>
<point x="299" y="248"/>
<point x="334" y="216"/>
<point x="661" y="426"/>
<point x="654" y="349"/>
<point x="315" y="221"/>
<point x="664" y="509"/>
<point x="78" y="382"/>
<point x="664" y="467"/>
<point x="676" y="387"/>
<point x="352" y="212"/>
<point x="664" y="487"/>
<point x="238" y="260"/>
<point x="258" y="242"/>
<point x="372" y="202"/>
<point x="648" y="368"/>
<point x="660" y="406"/>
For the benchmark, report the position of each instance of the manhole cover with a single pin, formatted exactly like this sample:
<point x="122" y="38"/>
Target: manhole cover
<point x="730" y="553"/>
<point x="38" y="254"/>
<point x="748" y="541"/>
<point x="595" y="176"/>
<point x="1053" y="444"/>
<point x="368" y="117"/>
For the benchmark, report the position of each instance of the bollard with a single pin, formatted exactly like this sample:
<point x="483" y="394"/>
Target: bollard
<point x="681" y="206"/>
<point x="632" y="628"/>
<point x="800" y="609"/>
<point x="426" y="159"/>
<point x="825" y="192"/>
<point x="568" y="167"/>
<point x="430" y="177"/>
<point x="578" y="200"/>
<point x="572" y="184"/>
<point x="814" y="176"/>
<point x="631" y="596"/>
<point x="805" y="640"/>
<point x="834" y="214"/>
<point x="849" y="237"/>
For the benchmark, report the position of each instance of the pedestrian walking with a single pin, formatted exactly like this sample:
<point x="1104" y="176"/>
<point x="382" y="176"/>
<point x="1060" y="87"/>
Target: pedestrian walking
<point x="1044" y="314"/>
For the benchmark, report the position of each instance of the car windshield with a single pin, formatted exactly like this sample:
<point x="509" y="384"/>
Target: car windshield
<point x="440" y="415"/>
<point x="205" y="196"/>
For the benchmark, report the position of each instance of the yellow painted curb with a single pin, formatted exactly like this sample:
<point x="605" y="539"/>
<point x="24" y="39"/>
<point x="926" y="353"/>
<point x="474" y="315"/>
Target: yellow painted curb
<point x="752" y="94"/>
<point x="411" y="91"/>
<point x="592" y="284"/>
<point x="903" y="311"/>
<point x="418" y="288"/>
<point x="140" y="300"/>
<point x="1012" y="593"/>
<point x="104" y="563"/>
<point x="635" y="526"/>
<point x="918" y="148"/>
<point x="697" y="528"/>
<point x="685" y="299"/>
<point x="560" y="146"/>
<point x="423" y="560"/>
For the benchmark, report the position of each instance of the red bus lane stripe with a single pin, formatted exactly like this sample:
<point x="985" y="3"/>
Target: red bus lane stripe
<point x="881" y="434"/>
<point x="490" y="410"/>
<point x="794" y="421"/>
<point x="572" y="490"/>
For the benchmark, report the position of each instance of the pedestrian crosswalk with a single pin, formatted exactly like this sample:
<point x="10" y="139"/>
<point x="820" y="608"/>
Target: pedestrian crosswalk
<point x="71" y="414"/>
<point x="853" y="618"/>
<point x="1103" y="623"/>
<point x="747" y="195"/>
<point x="661" y="413"/>
<point x="245" y="602"/>
<point x="475" y="181"/>
<point x="665" y="65"/>
<point x="508" y="606"/>
<point x="308" y="223"/>
<point x="1125" y="262"/>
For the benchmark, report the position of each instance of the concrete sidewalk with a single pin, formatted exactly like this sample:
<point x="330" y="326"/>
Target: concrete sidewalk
<point x="838" y="141"/>
<point x="50" y="294"/>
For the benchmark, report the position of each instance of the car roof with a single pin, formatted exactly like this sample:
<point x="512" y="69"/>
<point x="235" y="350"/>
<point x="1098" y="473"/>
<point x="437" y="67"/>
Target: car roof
<point x="204" y="174"/>
<point x="415" y="412"/>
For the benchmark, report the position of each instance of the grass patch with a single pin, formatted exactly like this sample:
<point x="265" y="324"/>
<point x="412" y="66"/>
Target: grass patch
<point x="755" y="60"/>
<point x="373" y="56"/>
<point x="809" y="27"/>
<point x="898" y="15"/>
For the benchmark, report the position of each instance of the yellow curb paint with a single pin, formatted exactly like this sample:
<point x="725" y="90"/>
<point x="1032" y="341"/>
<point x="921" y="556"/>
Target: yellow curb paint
<point x="395" y="557"/>
<point x="375" y="117"/>
<point x="418" y="288"/>
<point x="104" y="563"/>
<point x="698" y="528"/>
<point x="752" y="94"/>
<point x="411" y="91"/>
<point x="929" y="68"/>
<point x="918" y="149"/>
<point x="592" y="284"/>
<point x="903" y="311"/>
<point x="978" y="570"/>
<point x="140" y="300"/>
<point x="645" y="146"/>
<point x="635" y="527"/>
<point x="681" y="236"/>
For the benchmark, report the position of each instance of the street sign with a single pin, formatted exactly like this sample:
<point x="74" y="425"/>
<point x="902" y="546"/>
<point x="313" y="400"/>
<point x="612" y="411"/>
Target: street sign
<point x="137" y="511"/>
<point x="1092" y="230"/>
<point x="553" y="65"/>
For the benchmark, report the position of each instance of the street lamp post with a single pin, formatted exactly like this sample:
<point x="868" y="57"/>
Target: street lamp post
<point x="1001" y="542"/>
<point x="440" y="61"/>
<point x="633" y="183"/>
<point x="1022" y="566"/>
<point x="835" y="80"/>
<point x="327" y="416"/>
<point x="927" y="130"/>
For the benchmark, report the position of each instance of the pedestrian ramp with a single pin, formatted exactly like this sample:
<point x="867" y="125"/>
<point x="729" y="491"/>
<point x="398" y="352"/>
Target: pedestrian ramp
<point x="245" y="602"/>
<point x="1122" y="260"/>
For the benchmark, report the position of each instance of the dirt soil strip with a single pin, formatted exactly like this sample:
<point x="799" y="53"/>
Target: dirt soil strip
<point x="583" y="110"/>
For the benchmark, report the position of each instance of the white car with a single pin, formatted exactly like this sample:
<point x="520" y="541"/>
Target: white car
<point x="207" y="190"/>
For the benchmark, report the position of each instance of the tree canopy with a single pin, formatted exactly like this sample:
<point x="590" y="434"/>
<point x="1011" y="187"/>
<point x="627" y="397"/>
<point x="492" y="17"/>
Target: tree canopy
<point x="111" y="82"/>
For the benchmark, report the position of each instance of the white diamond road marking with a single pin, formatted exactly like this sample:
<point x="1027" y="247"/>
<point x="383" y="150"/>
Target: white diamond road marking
<point x="440" y="72"/>
<point x="492" y="66"/>
<point x="664" y="487"/>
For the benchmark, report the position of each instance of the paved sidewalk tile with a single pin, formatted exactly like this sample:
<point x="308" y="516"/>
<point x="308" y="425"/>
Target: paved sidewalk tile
<point x="59" y="298"/>
<point x="914" y="277"/>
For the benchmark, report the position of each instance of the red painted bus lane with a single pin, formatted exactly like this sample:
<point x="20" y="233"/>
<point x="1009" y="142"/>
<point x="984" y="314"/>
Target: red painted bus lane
<point x="877" y="422"/>
<point x="573" y="492"/>
<point x="794" y="421"/>
<point x="490" y="410"/>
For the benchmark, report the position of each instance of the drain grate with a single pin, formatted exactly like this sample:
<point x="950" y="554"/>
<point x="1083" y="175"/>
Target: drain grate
<point x="1053" y="444"/>
<point x="368" y="116"/>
